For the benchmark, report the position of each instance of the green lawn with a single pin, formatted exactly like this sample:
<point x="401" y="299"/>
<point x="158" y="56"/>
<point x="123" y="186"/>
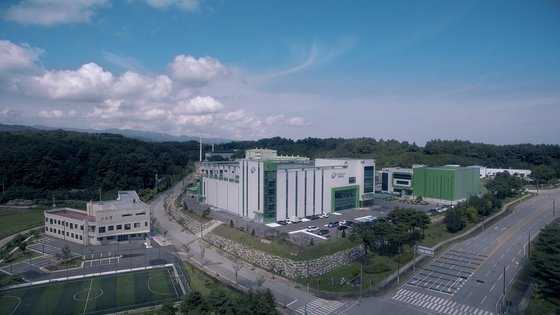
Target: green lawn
<point x="284" y="248"/>
<point x="98" y="295"/>
<point x="14" y="223"/>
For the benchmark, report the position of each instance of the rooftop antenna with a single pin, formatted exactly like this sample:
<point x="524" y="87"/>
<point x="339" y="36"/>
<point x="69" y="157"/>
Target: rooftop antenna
<point x="99" y="193"/>
<point x="53" y="202"/>
<point x="212" y="145"/>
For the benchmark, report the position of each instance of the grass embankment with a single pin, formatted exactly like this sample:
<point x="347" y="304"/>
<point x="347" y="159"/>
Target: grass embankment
<point x="203" y="283"/>
<point x="437" y="232"/>
<point x="377" y="269"/>
<point x="284" y="248"/>
<point x="15" y="222"/>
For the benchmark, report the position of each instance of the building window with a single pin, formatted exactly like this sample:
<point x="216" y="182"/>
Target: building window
<point x="351" y="180"/>
<point x="81" y="227"/>
<point x="46" y="219"/>
<point x="119" y="226"/>
<point x="145" y="223"/>
<point x="66" y="223"/>
<point x="137" y="225"/>
<point x="101" y="229"/>
<point x="368" y="179"/>
<point x="72" y="225"/>
<point x="80" y="237"/>
<point x="67" y="233"/>
<point x="127" y="215"/>
<point x="141" y="213"/>
<point x="127" y="226"/>
<point x="51" y="221"/>
<point x="111" y="227"/>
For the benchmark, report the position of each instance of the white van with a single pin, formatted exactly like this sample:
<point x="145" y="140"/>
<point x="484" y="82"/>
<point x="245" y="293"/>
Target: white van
<point x="295" y="219"/>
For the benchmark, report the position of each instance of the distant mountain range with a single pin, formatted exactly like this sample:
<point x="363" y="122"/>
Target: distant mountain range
<point x="136" y="134"/>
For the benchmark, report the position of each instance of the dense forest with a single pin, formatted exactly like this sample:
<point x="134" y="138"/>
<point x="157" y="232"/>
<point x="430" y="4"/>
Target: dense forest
<point x="72" y="165"/>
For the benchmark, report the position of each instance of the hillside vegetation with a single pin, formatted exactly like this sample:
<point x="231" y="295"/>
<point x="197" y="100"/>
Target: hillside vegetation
<point x="38" y="164"/>
<point x="72" y="165"/>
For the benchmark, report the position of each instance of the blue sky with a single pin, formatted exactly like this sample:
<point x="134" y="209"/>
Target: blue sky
<point x="484" y="71"/>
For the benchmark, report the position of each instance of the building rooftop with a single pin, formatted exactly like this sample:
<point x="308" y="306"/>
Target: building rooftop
<point x="71" y="214"/>
<point x="124" y="200"/>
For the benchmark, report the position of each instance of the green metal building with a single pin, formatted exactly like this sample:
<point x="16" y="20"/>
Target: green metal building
<point x="446" y="183"/>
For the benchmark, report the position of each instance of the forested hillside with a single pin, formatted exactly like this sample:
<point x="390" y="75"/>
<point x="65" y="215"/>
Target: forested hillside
<point x="42" y="164"/>
<point x="544" y="160"/>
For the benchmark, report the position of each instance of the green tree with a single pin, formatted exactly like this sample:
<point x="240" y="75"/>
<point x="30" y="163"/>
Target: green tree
<point x="23" y="246"/>
<point x="504" y="185"/>
<point x="453" y="221"/>
<point x="544" y="263"/>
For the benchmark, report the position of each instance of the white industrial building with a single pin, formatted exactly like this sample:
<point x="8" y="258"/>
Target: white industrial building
<point x="124" y="219"/>
<point x="486" y="172"/>
<point x="267" y="187"/>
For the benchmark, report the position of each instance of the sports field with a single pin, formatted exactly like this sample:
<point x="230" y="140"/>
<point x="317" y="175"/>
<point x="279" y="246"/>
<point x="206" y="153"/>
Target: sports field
<point x="93" y="295"/>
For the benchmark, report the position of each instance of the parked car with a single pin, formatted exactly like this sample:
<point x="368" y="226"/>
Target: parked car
<point x="333" y="224"/>
<point x="288" y="221"/>
<point x="323" y="215"/>
<point x="295" y="219"/>
<point x="323" y="232"/>
<point x="342" y="227"/>
<point x="282" y="222"/>
<point x="312" y="217"/>
<point x="343" y="222"/>
<point x="312" y="228"/>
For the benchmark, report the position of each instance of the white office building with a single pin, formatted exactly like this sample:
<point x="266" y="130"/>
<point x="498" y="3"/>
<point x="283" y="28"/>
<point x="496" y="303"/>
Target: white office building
<point x="267" y="187"/>
<point x="396" y="180"/>
<point x="125" y="219"/>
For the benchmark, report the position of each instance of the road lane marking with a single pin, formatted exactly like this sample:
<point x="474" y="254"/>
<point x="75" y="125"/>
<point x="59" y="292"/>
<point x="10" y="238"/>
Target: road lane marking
<point x="292" y="302"/>
<point x="492" y="288"/>
<point x="483" y="299"/>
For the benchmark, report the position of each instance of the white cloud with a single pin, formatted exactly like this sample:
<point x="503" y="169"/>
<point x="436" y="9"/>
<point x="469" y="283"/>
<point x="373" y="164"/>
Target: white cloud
<point x="51" y="113"/>
<point x="17" y="57"/>
<point x="235" y="115"/>
<point x="111" y="109"/>
<point x="194" y="71"/>
<point x="154" y="113"/>
<point x="51" y="12"/>
<point x="135" y="85"/>
<point x="185" y="5"/>
<point x="200" y="105"/>
<point x="9" y="115"/>
<point x="282" y="120"/>
<point x="297" y="122"/>
<point x="89" y="82"/>
<point x="128" y="63"/>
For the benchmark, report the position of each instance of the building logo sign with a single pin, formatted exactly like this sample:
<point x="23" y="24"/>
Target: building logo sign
<point x="252" y="169"/>
<point x="335" y="175"/>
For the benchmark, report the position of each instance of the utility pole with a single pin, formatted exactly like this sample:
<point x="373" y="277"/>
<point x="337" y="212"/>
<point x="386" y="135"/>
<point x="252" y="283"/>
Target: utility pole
<point x="529" y="245"/>
<point x="504" y="290"/>
<point x="553" y="207"/>
<point x="399" y="266"/>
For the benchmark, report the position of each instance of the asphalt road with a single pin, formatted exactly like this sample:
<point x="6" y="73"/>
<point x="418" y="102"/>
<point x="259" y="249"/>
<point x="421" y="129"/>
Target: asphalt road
<point x="469" y="278"/>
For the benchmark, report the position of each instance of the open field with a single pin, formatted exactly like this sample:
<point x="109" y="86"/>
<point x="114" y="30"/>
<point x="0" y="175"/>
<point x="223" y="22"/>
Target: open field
<point x="96" y="295"/>
<point x="16" y="222"/>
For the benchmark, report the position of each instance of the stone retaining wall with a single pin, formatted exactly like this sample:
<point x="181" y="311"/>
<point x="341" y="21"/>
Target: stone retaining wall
<point x="285" y="266"/>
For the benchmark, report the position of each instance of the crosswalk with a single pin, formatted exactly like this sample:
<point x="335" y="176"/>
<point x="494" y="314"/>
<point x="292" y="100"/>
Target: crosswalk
<point x="437" y="304"/>
<point x="319" y="307"/>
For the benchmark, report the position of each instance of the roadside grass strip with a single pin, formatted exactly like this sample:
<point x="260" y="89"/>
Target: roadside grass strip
<point x="93" y="295"/>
